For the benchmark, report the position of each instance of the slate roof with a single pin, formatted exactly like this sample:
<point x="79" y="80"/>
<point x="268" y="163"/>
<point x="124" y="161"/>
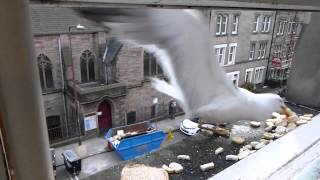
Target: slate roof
<point x="56" y="20"/>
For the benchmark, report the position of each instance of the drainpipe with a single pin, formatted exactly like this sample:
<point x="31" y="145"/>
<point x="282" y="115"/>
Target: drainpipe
<point x="63" y="86"/>
<point x="271" y="44"/>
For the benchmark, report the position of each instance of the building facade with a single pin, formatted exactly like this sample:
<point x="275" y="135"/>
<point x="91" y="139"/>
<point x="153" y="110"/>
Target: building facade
<point x="112" y="86"/>
<point x="288" y="29"/>
<point x="241" y="42"/>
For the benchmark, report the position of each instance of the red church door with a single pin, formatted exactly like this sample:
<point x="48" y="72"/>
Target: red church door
<point x="105" y="119"/>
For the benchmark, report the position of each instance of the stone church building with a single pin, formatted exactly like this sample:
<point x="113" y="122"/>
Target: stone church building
<point x="112" y="87"/>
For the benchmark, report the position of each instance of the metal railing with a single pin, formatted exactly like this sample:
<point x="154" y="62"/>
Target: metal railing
<point x="158" y="111"/>
<point x="63" y="132"/>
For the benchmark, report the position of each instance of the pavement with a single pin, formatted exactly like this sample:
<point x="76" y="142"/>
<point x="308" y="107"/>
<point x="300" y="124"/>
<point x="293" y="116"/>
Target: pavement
<point x="97" y="145"/>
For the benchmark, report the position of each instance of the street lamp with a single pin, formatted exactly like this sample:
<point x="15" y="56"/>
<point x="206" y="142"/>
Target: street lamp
<point x="77" y="27"/>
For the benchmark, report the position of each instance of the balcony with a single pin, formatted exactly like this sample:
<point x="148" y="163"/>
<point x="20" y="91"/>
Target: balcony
<point x="94" y="91"/>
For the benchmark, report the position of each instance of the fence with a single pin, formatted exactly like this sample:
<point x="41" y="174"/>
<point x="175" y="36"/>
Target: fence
<point x="155" y="112"/>
<point x="63" y="132"/>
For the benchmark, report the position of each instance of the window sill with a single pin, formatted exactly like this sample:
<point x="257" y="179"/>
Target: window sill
<point x="221" y="35"/>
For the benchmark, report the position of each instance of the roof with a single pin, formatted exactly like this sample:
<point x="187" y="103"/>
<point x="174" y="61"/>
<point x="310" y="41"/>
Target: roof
<point x="56" y="20"/>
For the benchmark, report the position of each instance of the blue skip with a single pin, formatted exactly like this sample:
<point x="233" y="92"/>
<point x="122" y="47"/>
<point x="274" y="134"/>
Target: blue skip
<point x="138" y="139"/>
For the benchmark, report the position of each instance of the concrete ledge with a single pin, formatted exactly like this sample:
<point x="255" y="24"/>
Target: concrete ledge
<point x="270" y="160"/>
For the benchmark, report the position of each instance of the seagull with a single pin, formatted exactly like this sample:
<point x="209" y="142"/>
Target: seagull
<point x="180" y="39"/>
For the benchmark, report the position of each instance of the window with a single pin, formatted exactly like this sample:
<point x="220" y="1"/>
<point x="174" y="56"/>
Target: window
<point x="248" y="77"/>
<point x="153" y="111"/>
<point x="277" y="51"/>
<point x="220" y="51"/>
<point x="235" y="24"/>
<point x="266" y="24"/>
<point x="222" y="23"/>
<point x="290" y="26"/>
<point x="45" y="71"/>
<point x="252" y="50"/>
<point x="54" y="127"/>
<point x="262" y="50"/>
<point x="131" y="117"/>
<point x="234" y="77"/>
<point x="232" y="53"/>
<point x="258" y="74"/>
<point x="256" y="24"/>
<point x="295" y="28"/>
<point x="87" y="66"/>
<point x="150" y="66"/>
<point x="281" y="27"/>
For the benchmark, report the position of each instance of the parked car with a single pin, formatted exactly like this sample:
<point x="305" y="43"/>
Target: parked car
<point x="189" y="127"/>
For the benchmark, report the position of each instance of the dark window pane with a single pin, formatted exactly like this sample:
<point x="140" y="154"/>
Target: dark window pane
<point x="131" y="117"/>
<point x="159" y="70"/>
<point x="49" y="78"/>
<point x="91" y="70"/>
<point x="45" y="71"/>
<point x="83" y="66"/>
<point x="153" y="111"/>
<point x="146" y="66"/>
<point x="87" y="66"/>
<point x="41" y="77"/>
<point x="153" y="66"/>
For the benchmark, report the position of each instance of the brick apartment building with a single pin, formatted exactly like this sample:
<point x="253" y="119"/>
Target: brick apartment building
<point x="112" y="93"/>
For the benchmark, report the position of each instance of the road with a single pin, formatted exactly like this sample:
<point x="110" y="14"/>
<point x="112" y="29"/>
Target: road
<point x="105" y="160"/>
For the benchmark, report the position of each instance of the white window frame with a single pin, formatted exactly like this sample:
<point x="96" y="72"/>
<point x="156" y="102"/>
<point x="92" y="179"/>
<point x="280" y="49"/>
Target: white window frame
<point x="250" y="78"/>
<point x="232" y="54"/>
<point x="277" y="50"/>
<point x="266" y="24"/>
<point x="220" y="21"/>
<point x="252" y="50"/>
<point x="231" y="76"/>
<point x="281" y="27"/>
<point x="218" y="24"/>
<point x="259" y="74"/>
<point x="256" y="23"/>
<point x="262" y="49"/>
<point x="235" y="24"/>
<point x="220" y="46"/>
<point x="290" y="26"/>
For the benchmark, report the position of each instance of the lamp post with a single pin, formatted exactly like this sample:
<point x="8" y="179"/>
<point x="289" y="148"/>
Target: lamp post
<point x="75" y="94"/>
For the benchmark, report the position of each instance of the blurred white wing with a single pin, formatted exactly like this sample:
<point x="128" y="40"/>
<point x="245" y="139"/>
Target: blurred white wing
<point x="196" y="79"/>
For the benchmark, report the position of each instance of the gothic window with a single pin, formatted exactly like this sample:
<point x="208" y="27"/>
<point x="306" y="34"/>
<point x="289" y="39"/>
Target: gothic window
<point x="45" y="71"/>
<point x="150" y="65"/>
<point x="87" y="66"/>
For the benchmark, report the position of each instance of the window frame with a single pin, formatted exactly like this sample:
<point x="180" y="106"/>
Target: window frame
<point x="245" y="77"/>
<point x="260" y="71"/>
<point x="252" y="51"/>
<point x="232" y="54"/>
<point x="266" y="23"/>
<point x="45" y="68"/>
<point x="219" y="22"/>
<point x="262" y="49"/>
<point x="220" y="46"/>
<point x="231" y="76"/>
<point x="256" y="23"/>
<point x="88" y="59"/>
<point x="235" y="24"/>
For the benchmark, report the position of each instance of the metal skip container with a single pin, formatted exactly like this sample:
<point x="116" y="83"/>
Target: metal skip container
<point x="135" y="140"/>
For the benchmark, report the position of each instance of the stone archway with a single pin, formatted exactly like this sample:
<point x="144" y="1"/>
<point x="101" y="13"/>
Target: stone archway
<point x="105" y="118"/>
